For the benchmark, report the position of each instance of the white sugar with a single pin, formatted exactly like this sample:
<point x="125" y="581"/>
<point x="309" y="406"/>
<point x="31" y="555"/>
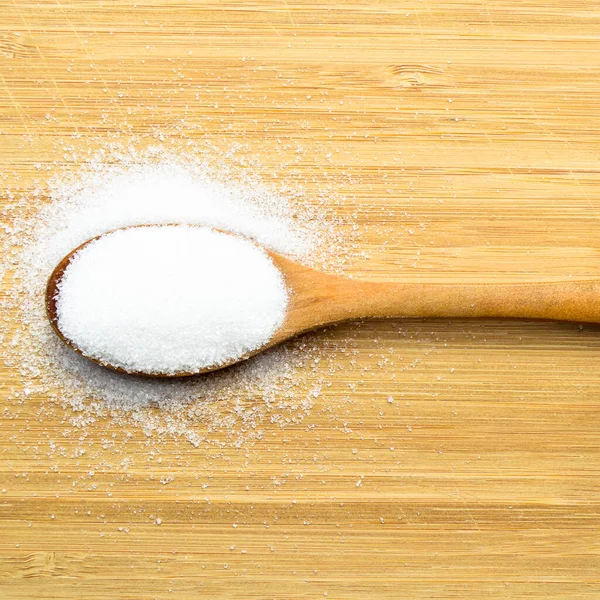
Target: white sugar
<point x="170" y="299"/>
<point x="123" y="187"/>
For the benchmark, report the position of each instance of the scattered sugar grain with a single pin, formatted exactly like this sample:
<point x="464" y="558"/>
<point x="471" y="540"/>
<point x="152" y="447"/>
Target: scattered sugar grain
<point x="122" y="186"/>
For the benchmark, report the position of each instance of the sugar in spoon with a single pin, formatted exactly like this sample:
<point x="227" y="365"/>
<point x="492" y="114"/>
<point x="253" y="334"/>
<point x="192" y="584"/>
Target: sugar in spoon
<point x="316" y="299"/>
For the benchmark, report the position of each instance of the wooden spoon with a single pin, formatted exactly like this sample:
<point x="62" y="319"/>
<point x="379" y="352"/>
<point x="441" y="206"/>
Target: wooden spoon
<point x="318" y="299"/>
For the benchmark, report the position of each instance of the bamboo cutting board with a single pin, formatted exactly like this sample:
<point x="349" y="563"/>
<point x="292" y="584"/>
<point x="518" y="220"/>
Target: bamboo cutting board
<point x="463" y="138"/>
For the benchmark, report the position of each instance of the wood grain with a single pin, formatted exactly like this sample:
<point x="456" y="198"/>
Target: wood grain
<point x="463" y="138"/>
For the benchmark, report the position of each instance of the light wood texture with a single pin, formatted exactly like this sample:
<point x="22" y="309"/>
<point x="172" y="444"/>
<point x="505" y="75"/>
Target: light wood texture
<point x="464" y="137"/>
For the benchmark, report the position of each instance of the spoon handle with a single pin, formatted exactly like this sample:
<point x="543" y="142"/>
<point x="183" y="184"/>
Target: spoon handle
<point x="561" y="301"/>
<point x="318" y="299"/>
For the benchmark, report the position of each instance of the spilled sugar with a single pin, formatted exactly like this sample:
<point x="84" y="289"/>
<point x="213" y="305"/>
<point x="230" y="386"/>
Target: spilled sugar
<point x="170" y="299"/>
<point x="125" y="187"/>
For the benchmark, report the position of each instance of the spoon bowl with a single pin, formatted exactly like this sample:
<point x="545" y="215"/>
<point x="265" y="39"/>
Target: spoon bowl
<point x="317" y="299"/>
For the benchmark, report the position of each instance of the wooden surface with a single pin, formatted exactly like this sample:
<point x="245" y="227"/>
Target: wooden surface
<point x="464" y="136"/>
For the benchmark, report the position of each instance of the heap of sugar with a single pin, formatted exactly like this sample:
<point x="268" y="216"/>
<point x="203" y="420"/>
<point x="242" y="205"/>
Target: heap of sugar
<point x="108" y="197"/>
<point x="170" y="299"/>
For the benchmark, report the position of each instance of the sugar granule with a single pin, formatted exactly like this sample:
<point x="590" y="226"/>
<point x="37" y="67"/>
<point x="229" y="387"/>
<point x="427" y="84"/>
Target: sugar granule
<point x="170" y="299"/>
<point x="121" y="187"/>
